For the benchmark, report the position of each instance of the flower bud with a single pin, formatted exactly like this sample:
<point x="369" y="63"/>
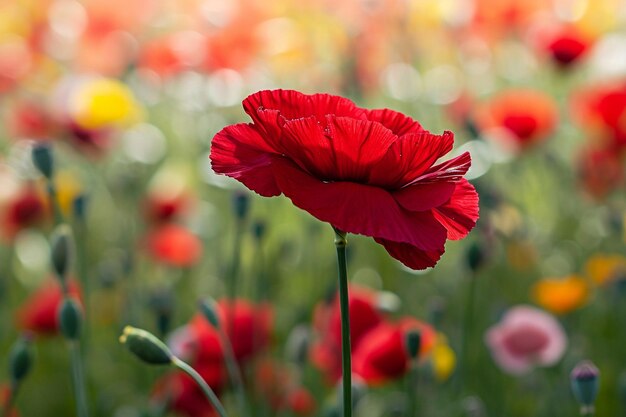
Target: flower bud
<point x="208" y="308"/>
<point x="79" y="206"/>
<point x="585" y="382"/>
<point x="70" y="318"/>
<point x="41" y="155"/>
<point x="258" y="229"/>
<point x="241" y="205"/>
<point x="61" y="252"/>
<point x="412" y="342"/>
<point x="146" y="346"/>
<point x="475" y="256"/>
<point x="20" y="359"/>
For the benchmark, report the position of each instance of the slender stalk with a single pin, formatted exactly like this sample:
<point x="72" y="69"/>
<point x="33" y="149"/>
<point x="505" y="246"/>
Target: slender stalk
<point x="233" y="275"/>
<point x="346" y="359"/>
<point x="79" y="380"/>
<point x="412" y="388"/>
<point x="235" y="374"/>
<point x="81" y="270"/>
<point x="54" y="203"/>
<point x="8" y="405"/>
<point x="468" y="330"/>
<point x="206" y="389"/>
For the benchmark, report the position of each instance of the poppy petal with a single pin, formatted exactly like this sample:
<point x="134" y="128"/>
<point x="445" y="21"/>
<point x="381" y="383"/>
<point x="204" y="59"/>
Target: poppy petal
<point x="395" y="121"/>
<point x="358" y="208"/>
<point x="237" y="151"/>
<point x="459" y="215"/>
<point x="411" y="256"/>
<point x="421" y="197"/>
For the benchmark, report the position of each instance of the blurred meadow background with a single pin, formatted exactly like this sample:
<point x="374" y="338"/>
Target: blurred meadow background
<point x="127" y="95"/>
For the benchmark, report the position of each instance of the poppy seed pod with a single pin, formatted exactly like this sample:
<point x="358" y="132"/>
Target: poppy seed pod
<point x="61" y="251"/>
<point x="20" y="359"/>
<point x="146" y="346"/>
<point x="585" y="382"/>
<point x="41" y="155"/>
<point x="258" y="229"/>
<point x="413" y="341"/>
<point x="70" y="318"/>
<point x="208" y="308"/>
<point x="241" y="205"/>
<point x="79" y="206"/>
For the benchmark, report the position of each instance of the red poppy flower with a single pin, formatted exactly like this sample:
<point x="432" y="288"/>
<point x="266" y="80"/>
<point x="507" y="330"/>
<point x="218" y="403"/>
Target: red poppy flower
<point x="39" y="313"/>
<point x="282" y="390"/>
<point x="174" y="245"/>
<point x="26" y="209"/>
<point x="600" y="171"/>
<point x="364" y="316"/>
<point x="162" y="208"/>
<point x="248" y="327"/>
<point x="566" y="44"/>
<point x="382" y="355"/>
<point x="527" y="117"/>
<point x="370" y="172"/>
<point x="601" y="109"/>
<point x="183" y="395"/>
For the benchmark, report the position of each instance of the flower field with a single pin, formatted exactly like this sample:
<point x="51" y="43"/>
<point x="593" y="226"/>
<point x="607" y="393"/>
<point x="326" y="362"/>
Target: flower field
<point x="368" y="208"/>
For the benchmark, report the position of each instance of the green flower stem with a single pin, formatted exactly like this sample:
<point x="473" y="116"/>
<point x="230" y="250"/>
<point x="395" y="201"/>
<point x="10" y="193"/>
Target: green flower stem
<point x="235" y="374"/>
<point x="346" y="359"/>
<point x="78" y="379"/>
<point x="233" y="274"/>
<point x="412" y="385"/>
<point x="8" y="406"/>
<point x="54" y="203"/>
<point x="81" y="270"/>
<point x="206" y="389"/>
<point x="468" y="330"/>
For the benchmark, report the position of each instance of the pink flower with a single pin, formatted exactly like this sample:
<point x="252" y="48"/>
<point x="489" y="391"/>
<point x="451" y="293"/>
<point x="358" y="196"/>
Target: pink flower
<point x="524" y="338"/>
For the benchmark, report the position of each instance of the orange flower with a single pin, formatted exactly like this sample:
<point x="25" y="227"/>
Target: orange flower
<point x="526" y="117"/>
<point x="602" y="269"/>
<point x="561" y="295"/>
<point x="174" y="245"/>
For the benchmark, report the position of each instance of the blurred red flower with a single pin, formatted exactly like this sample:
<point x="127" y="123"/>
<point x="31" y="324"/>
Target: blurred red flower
<point x="174" y="245"/>
<point x="528" y="116"/>
<point x="600" y="171"/>
<point x="25" y="209"/>
<point x="161" y="208"/>
<point x="566" y="44"/>
<point x="5" y="392"/>
<point x="377" y="344"/>
<point x="183" y="396"/>
<point x="369" y="172"/>
<point x="382" y="355"/>
<point x="282" y="390"/>
<point x="39" y="312"/>
<point x="601" y="110"/>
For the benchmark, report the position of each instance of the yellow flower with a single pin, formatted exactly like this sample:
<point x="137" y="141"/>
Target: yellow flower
<point x="443" y="358"/>
<point x="561" y="295"/>
<point x="602" y="269"/>
<point x="68" y="188"/>
<point x="102" y="103"/>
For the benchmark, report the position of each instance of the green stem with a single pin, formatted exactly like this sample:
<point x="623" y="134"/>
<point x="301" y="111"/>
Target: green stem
<point x="81" y="269"/>
<point x="467" y="331"/>
<point x="346" y="359"/>
<point x="234" y="272"/>
<point x="8" y="406"/>
<point x="206" y="389"/>
<point x="78" y="379"/>
<point x="234" y="374"/>
<point x="54" y="203"/>
<point x="412" y="388"/>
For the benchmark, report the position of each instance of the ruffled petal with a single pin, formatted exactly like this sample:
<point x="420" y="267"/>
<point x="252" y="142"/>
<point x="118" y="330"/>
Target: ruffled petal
<point x="409" y="157"/>
<point x="395" y="121"/>
<point x="240" y="152"/>
<point x="460" y="213"/>
<point x="452" y="170"/>
<point x="304" y="142"/>
<point x="411" y="256"/>
<point x="421" y="197"/>
<point x="293" y="104"/>
<point x="358" y="208"/>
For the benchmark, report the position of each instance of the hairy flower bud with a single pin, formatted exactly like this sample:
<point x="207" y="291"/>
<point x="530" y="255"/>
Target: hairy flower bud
<point x="208" y="308"/>
<point x="41" y="155"/>
<point x="61" y="251"/>
<point x="146" y="346"/>
<point x="20" y="359"/>
<point x="413" y="341"/>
